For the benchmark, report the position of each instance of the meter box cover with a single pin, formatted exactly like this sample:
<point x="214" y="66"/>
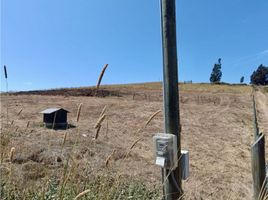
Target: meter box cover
<point x="165" y="146"/>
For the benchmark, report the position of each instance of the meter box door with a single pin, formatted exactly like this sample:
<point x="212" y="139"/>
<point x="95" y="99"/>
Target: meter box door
<point x="165" y="146"/>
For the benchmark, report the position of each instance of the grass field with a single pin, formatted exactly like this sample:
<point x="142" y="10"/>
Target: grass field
<point x="116" y="162"/>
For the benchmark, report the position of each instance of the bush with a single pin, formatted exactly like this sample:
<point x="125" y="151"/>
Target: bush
<point x="260" y="76"/>
<point x="216" y="73"/>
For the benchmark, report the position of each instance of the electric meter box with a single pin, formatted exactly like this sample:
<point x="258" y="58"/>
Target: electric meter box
<point x="165" y="146"/>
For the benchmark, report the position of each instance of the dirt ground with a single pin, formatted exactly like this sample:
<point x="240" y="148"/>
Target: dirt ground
<point x="216" y="124"/>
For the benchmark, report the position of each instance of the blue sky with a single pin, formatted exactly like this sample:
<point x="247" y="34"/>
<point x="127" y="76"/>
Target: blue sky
<point x="65" y="43"/>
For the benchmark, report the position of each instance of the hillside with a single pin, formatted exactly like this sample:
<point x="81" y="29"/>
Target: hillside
<point x="216" y="129"/>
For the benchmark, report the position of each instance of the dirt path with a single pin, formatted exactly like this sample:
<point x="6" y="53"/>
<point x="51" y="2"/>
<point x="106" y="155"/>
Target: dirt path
<point x="262" y="107"/>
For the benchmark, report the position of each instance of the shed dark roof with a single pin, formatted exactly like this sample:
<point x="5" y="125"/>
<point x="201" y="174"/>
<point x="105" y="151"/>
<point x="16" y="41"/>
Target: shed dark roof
<point x="52" y="110"/>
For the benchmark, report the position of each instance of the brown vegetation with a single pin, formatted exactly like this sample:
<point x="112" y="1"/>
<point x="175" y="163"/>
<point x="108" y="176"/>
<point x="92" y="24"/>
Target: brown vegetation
<point x="216" y="129"/>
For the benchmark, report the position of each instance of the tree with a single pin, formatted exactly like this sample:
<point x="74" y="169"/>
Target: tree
<point x="216" y="73"/>
<point x="242" y="79"/>
<point x="260" y="76"/>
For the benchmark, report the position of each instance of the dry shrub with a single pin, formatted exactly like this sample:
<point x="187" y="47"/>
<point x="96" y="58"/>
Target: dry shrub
<point x="33" y="171"/>
<point x="46" y="157"/>
<point x="20" y="159"/>
<point x="35" y="156"/>
<point x="5" y="139"/>
<point x="4" y="171"/>
<point x="87" y="152"/>
<point x="52" y="161"/>
<point x="119" y="154"/>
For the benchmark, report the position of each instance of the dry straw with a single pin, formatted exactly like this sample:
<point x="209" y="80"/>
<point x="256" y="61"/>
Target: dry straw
<point x="27" y="125"/>
<point x="82" y="194"/>
<point x="109" y="158"/>
<point x="134" y="143"/>
<point x="148" y="121"/>
<point x="77" y="120"/>
<point x="151" y="118"/>
<point x="101" y="75"/>
<point x="103" y="110"/>
<point x="132" y="146"/>
<point x="78" y="112"/>
<point x="19" y="112"/>
<point x="97" y="132"/>
<point x="11" y="154"/>
<point x="100" y="120"/>
<point x="107" y="128"/>
<point x="64" y="140"/>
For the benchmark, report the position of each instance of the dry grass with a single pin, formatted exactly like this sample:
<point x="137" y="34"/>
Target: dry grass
<point x="101" y="75"/>
<point x="82" y="194"/>
<point x="100" y="120"/>
<point x="34" y="168"/>
<point x="78" y="112"/>
<point x="109" y="158"/>
<point x="215" y="88"/>
<point x="11" y="154"/>
<point x="216" y="129"/>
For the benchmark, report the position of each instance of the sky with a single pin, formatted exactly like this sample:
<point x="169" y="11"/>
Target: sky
<point x="65" y="43"/>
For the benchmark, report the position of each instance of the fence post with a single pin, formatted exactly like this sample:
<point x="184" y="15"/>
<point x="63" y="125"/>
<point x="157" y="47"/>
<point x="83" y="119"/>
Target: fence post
<point x="258" y="167"/>
<point x="255" y="119"/>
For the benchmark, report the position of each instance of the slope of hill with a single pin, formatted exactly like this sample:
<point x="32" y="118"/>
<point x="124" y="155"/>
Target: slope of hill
<point x="216" y="129"/>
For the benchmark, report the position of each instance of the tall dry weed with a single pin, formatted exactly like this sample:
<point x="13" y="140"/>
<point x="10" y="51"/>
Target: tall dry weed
<point x="101" y="75"/>
<point x="11" y="154"/>
<point x="78" y="112"/>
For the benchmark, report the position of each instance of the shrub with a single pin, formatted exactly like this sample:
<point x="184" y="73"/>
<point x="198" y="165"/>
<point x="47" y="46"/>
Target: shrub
<point x="216" y="73"/>
<point x="260" y="76"/>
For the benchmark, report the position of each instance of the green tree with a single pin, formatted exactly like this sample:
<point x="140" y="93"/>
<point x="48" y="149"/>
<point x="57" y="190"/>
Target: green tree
<point x="260" y="76"/>
<point x="242" y="79"/>
<point x="216" y="73"/>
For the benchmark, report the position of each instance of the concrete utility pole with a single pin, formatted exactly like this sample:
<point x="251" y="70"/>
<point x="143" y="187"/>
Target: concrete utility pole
<point x="171" y="178"/>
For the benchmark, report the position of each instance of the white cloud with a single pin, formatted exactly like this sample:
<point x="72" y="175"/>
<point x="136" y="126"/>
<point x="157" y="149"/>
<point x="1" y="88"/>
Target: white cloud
<point x="249" y="58"/>
<point x="265" y="52"/>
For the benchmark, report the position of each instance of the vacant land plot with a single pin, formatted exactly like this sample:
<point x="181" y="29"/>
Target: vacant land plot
<point x="216" y="129"/>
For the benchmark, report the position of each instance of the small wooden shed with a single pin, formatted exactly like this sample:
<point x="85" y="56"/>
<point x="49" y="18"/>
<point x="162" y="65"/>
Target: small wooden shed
<point x="56" y="116"/>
